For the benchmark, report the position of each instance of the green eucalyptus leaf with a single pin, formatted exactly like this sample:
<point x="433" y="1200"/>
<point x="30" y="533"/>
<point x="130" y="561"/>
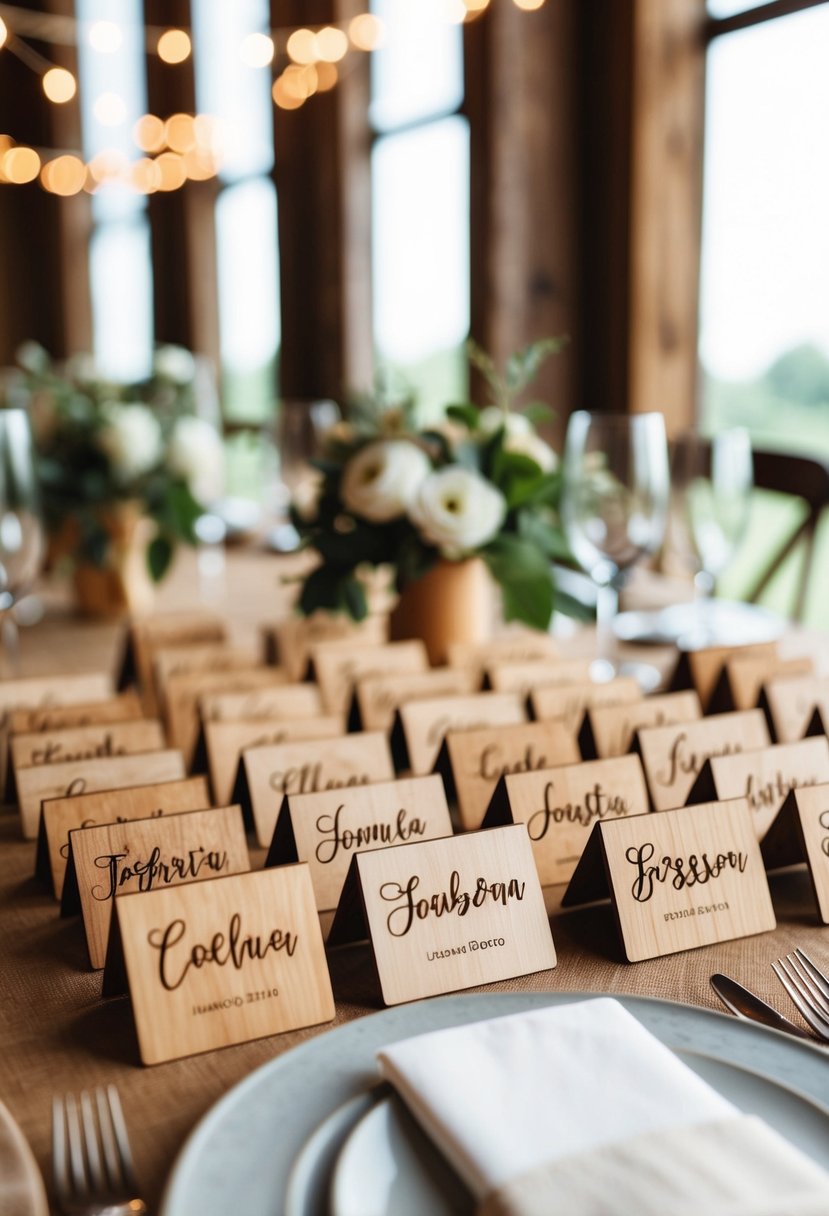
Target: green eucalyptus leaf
<point x="159" y="556"/>
<point x="525" y="577"/>
<point x="354" y="598"/>
<point x="468" y="415"/>
<point x="544" y="535"/>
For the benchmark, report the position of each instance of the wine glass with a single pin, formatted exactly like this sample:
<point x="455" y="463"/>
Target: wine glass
<point x="614" y="508"/>
<point x="22" y="537"/>
<point x="300" y="429"/>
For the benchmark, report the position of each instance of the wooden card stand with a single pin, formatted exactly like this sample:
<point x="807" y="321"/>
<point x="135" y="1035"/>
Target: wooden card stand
<point x="540" y="673"/>
<point x="146" y="855"/>
<point x="560" y="807"/>
<point x="36" y="785"/>
<point x="59" y="816"/>
<point x="376" y="698"/>
<point x="224" y="743"/>
<point x="183" y="693"/>
<point x="569" y="703"/>
<point x="609" y="730"/>
<point x="148" y="634"/>
<point x="515" y="646"/>
<point x="764" y="778"/>
<point x="801" y="833"/>
<point x="673" y="756"/>
<point x="421" y="726"/>
<point x="281" y="701"/>
<point x="700" y="669"/>
<point x="267" y="775"/>
<point x="172" y="661"/>
<point x="125" y="707"/>
<point x="288" y="643"/>
<point x="742" y="678"/>
<point x="472" y="762"/>
<point x="41" y="748"/>
<point x="338" y="666"/>
<point x="678" y="880"/>
<point x="790" y="705"/>
<point x="219" y="962"/>
<point x="327" y="829"/>
<point x="442" y="915"/>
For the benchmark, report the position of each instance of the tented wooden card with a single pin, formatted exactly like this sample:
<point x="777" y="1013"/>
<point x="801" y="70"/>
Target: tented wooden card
<point x="790" y="704"/>
<point x="764" y="778"/>
<point x="78" y="743"/>
<point x="801" y="832"/>
<point x="421" y="726"/>
<point x="701" y="669"/>
<point x="269" y="774"/>
<point x="125" y="707"/>
<point x="147" y="855"/>
<point x="376" y="698"/>
<point x="339" y="665"/>
<point x="289" y="642"/>
<point x="540" y="673"/>
<point x="219" y="962"/>
<point x="225" y="742"/>
<point x="149" y="634"/>
<point x="568" y="703"/>
<point x="518" y="646"/>
<point x="673" y="756"/>
<point x="328" y="828"/>
<point x="35" y="785"/>
<point x="609" y="730"/>
<point x="185" y="660"/>
<point x="685" y="878"/>
<point x="276" y="701"/>
<point x="443" y="915"/>
<point x="742" y="678"/>
<point x="44" y="692"/>
<point x="60" y="815"/>
<point x="561" y="806"/>
<point x="183" y="693"/>
<point x="473" y="761"/>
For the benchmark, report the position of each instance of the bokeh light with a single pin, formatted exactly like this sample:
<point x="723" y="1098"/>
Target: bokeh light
<point x="59" y="85"/>
<point x="174" y="46"/>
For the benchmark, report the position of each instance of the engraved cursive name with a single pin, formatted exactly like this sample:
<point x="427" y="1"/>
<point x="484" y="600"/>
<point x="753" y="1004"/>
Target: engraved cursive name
<point x="336" y="837"/>
<point x="54" y="753"/>
<point x="232" y="948"/>
<point x="309" y="779"/>
<point x="690" y="763"/>
<point x="596" y="804"/>
<point x="442" y="903"/>
<point x="492" y="765"/>
<point x="762" y="795"/>
<point x="153" y="871"/>
<point x="677" y="871"/>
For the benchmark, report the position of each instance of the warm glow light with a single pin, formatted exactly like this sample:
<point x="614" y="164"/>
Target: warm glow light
<point x="209" y="132"/>
<point x="366" y="32"/>
<point x="107" y="165"/>
<point x="199" y="166"/>
<point x="283" y="97"/>
<point x="302" y="46"/>
<point x="180" y="132"/>
<point x="6" y="142"/>
<point x="65" y="175"/>
<point x="528" y="6"/>
<point x="4" y="32"/>
<point x="173" y="46"/>
<point x="59" y="85"/>
<point x="474" y="7"/>
<point x="21" y="165"/>
<point x="145" y="176"/>
<point x="300" y="82"/>
<point x="148" y="133"/>
<point x="257" y="50"/>
<point x="327" y="77"/>
<point x="105" y="36"/>
<point x="332" y="44"/>
<point x="453" y="11"/>
<point x="110" y="110"/>
<point x="171" y="171"/>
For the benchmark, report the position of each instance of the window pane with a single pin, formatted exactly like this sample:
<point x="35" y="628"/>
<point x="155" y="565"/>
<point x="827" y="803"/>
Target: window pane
<point x="418" y="72"/>
<point x="765" y="264"/>
<point x="727" y="8"/>
<point x="121" y="277"/>
<point x="249" y="321"/>
<point x="421" y="255"/>
<point x="228" y="88"/>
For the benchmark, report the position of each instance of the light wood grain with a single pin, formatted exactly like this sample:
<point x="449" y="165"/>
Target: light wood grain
<point x="338" y="665"/>
<point x="293" y="638"/>
<point x="701" y="669"/>
<point x="539" y="673"/>
<point x="85" y="743"/>
<point x="426" y="723"/>
<point x="791" y="703"/>
<point x="126" y="707"/>
<point x="152" y="633"/>
<point x="280" y="701"/>
<point x="379" y="696"/>
<point x="226" y="741"/>
<point x="569" y="703"/>
<point x="746" y="675"/>
<point x="183" y="692"/>
<point x="44" y="692"/>
<point x="612" y="727"/>
<point x="812" y="809"/>
<point x="520" y="646"/>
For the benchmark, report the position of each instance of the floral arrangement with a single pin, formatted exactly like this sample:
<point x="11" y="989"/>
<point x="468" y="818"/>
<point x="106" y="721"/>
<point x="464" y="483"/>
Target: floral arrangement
<point x="102" y="445"/>
<point x="482" y="483"/>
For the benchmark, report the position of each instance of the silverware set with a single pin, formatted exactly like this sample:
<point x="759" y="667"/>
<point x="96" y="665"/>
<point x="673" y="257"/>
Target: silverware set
<point x="91" y="1157"/>
<point x="805" y="983"/>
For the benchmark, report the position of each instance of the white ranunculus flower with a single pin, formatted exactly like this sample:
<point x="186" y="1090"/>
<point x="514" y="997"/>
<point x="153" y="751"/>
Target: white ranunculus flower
<point x="174" y="363"/>
<point x="533" y="446"/>
<point x="131" y="439"/>
<point x="381" y="480"/>
<point x="196" y="453"/>
<point x="492" y="417"/>
<point x="457" y="510"/>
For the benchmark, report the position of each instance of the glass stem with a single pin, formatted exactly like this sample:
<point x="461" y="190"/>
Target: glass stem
<point x="607" y="603"/>
<point x="10" y="638"/>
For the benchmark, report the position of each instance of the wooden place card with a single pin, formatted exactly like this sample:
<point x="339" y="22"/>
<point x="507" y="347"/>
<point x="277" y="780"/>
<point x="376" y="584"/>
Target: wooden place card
<point x="109" y="739"/>
<point x="147" y="855"/>
<point x="683" y="879"/>
<point x="541" y="673"/>
<point x="183" y="693"/>
<point x="125" y="707"/>
<point x="472" y="762"/>
<point x="673" y="756"/>
<point x="790" y="703"/>
<point x="442" y="915"/>
<point x="61" y="815"/>
<point x="764" y="778"/>
<point x="518" y="646"/>
<point x="148" y="634"/>
<point x="288" y="643"/>
<point x="701" y="669"/>
<point x="225" y="961"/>
<point x="225" y="742"/>
<point x="327" y="829"/>
<point x="339" y="665"/>
<point x="185" y="660"/>
<point x="376" y="698"/>
<point x="421" y="726"/>
<point x="608" y="730"/>
<point x="561" y="806"/>
<point x="742" y="678"/>
<point x="267" y="775"/>
<point x="279" y="701"/>
<point x="43" y="692"/>
<point x="801" y="833"/>
<point x="568" y="703"/>
<point x="35" y="785"/>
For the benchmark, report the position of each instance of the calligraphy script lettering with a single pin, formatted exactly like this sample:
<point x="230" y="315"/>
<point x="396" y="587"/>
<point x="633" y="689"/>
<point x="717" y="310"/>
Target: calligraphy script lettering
<point x="153" y="871"/>
<point x="336" y="837"/>
<point x="308" y="779"/>
<point x="690" y="763"/>
<point x="596" y="804"/>
<point x="91" y="823"/>
<point x="53" y="753"/>
<point x="492" y="765"/>
<point x="698" y="868"/>
<point x="231" y="948"/>
<point x="770" y="792"/>
<point x="824" y="823"/>
<point x="400" y="920"/>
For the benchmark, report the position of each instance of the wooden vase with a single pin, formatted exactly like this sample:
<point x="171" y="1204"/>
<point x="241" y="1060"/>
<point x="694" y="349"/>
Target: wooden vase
<point x="454" y="602"/>
<point x="122" y="585"/>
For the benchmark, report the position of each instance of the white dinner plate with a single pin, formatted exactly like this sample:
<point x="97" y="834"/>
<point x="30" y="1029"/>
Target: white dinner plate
<point x="240" y="1156"/>
<point x="22" y="1192"/>
<point x="388" y="1167"/>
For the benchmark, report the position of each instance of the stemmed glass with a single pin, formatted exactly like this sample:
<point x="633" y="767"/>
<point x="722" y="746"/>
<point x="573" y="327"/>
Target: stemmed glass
<point x="614" y="509"/>
<point x="22" y="537"/>
<point x="301" y="427"/>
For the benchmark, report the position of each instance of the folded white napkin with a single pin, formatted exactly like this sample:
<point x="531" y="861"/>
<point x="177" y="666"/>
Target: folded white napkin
<point x="506" y="1098"/>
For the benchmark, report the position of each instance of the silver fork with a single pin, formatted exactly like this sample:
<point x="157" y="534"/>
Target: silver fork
<point x="809" y="989"/>
<point x="91" y="1157"/>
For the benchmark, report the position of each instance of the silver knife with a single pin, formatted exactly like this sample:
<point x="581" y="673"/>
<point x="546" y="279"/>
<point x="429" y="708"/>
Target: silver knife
<point x="746" y="1005"/>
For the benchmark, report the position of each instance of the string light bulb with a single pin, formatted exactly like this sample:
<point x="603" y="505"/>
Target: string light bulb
<point x="327" y="77"/>
<point x="366" y="32"/>
<point x="171" y="171"/>
<point x="21" y="165"/>
<point x="257" y="50"/>
<point x="302" y="47"/>
<point x="179" y="132"/>
<point x="331" y="44"/>
<point x="148" y="133"/>
<point x="528" y="6"/>
<point x="174" y="46"/>
<point x="283" y="97"/>
<point x="65" y="175"/>
<point x="59" y="85"/>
